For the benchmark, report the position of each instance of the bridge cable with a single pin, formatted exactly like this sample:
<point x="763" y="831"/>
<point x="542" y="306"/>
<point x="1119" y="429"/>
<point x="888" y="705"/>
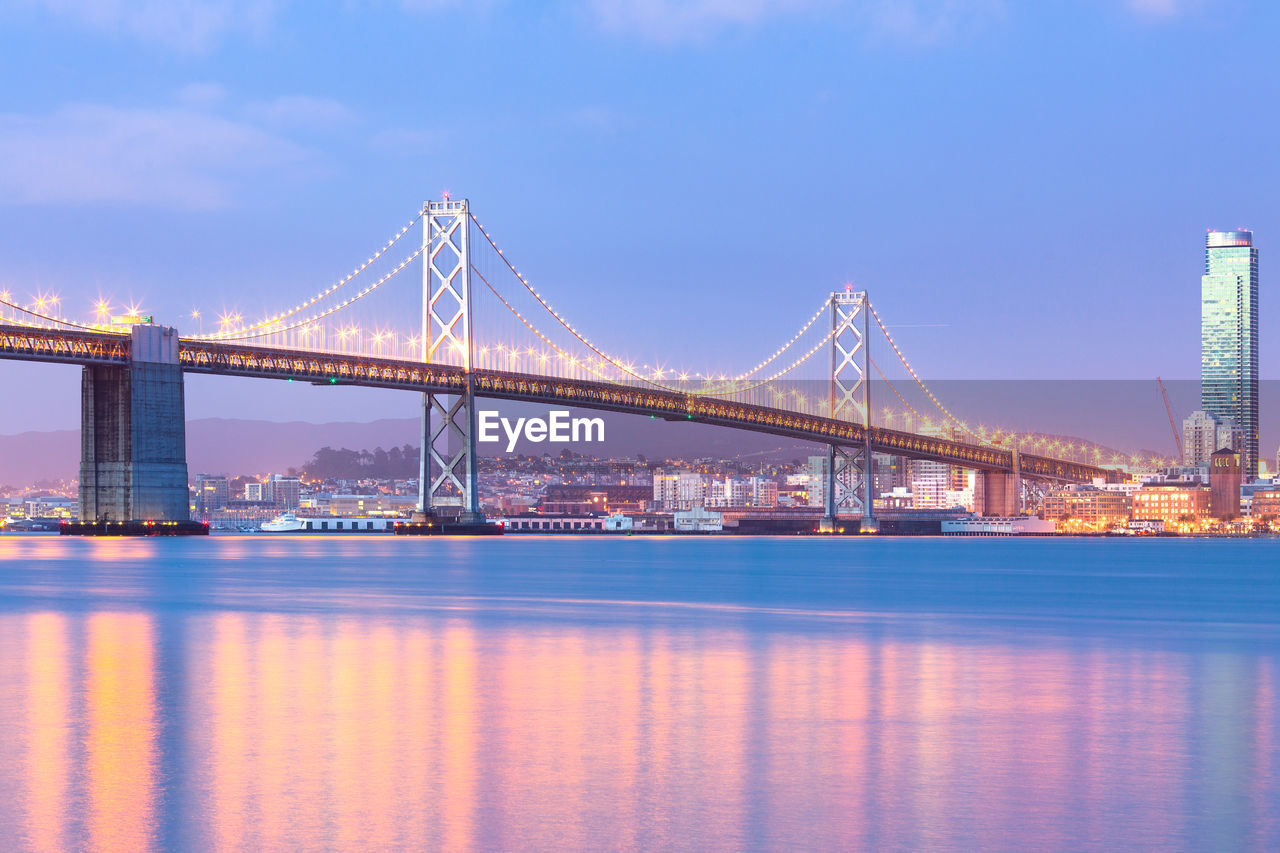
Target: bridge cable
<point x="62" y="321"/>
<point x="621" y="366"/>
<point x="945" y="411"/>
<point x="302" y="306"/>
<point x="327" y="312"/>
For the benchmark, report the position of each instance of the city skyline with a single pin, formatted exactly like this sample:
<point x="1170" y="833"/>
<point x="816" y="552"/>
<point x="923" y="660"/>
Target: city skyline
<point x="260" y="228"/>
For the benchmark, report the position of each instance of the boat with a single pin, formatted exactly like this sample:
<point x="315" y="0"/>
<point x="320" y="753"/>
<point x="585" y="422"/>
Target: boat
<point x="286" y="523"/>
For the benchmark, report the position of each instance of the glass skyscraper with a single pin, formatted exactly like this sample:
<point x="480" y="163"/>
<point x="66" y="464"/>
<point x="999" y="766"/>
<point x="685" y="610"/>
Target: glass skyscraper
<point x="1229" y="338"/>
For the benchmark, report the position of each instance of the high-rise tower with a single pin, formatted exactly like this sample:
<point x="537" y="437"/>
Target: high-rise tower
<point x="1229" y="338"/>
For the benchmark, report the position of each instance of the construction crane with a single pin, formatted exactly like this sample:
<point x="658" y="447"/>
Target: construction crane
<point x="1177" y="437"/>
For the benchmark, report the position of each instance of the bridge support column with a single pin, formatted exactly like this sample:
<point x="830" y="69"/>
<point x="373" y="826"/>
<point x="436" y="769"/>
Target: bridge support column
<point x="850" y="474"/>
<point x="448" y="471"/>
<point x="1001" y="494"/>
<point x="133" y="464"/>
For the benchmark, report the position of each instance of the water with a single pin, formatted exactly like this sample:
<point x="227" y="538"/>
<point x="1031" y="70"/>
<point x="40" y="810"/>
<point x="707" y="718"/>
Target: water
<point x="258" y="693"/>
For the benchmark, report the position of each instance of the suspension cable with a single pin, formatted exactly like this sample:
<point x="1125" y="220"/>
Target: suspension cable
<point x="302" y="306"/>
<point x="621" y="366"/>
<point x="894" y="390"/>
<point x="62" y="321"/>
<point x="945" y="411"/>
<point x="237" y="336"/>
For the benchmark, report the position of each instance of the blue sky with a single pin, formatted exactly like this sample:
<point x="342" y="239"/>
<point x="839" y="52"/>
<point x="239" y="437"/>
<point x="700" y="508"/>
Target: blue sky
<point x="1023" y="186"/>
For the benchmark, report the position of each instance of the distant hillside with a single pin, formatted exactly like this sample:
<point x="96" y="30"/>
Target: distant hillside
<point x="230" y="445"/>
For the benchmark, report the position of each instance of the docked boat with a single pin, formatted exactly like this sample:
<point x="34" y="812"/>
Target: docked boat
<point x="291" y="523"/>
<point x="286" y="523"/>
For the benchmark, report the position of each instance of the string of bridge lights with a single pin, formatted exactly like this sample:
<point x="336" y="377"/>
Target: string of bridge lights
<point x="945" y="411"/>
<point x="624" y="366"/>
<point x="531" y="328"/>
<point x="719" y="392"/>
<point x="302" y="306"/>
<point x="238" y="334"/>
<point x="6" y="299"/>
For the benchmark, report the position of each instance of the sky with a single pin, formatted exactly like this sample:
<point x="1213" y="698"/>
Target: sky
<point x="1022" y="186"/>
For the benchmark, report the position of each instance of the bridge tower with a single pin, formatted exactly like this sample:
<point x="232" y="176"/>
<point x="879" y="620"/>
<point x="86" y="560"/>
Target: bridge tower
<point x="447" y="474"/>
<point x="850" y="473"/>
<point x="133" y="463"/>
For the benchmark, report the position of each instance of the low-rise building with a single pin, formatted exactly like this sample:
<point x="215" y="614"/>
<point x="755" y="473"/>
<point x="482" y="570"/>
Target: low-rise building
<point x="372" y="505"/>
<point x="1266" y="504"/>
<point x="1224" y="484"/>
<point x="538" y="523"/>
<point x="698" y="520"/>
<point x="619" y="523"/>
<point x="1088" y="507"/>
<point x="1178" y="505"/>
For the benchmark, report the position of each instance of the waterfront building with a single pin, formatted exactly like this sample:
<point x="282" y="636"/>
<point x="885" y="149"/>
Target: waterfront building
<point x="1173" y="503"/>
<point x="679" y="489"/>
<point x="1266" y="504"/>
<point x="817" y="480"/>
<point x="1202" y="434"/>
<point x="1224" y="484"/>
<point x="371" y="505"/>
<point x="619" y="523"/>
<point x="929" y="484"/>
<point x="964" y="489"/>
<point x="1229" y="338"/>
<point x="583" y="499"/>
<point x="540" y="523"/>
<point x="729" y="491"/>
<point x="897" y="498"/>
<point x="764" y="492"/>
<point x="698" y="520"/>
<point x="283" y="491"/>
<point x="212" y="492"/>
<point x="254" y="492"/>
<point x="1090" y="507"/>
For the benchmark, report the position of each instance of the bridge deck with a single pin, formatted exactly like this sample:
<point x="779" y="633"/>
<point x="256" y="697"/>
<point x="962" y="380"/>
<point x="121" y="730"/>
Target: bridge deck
<point x="84" y="347"/>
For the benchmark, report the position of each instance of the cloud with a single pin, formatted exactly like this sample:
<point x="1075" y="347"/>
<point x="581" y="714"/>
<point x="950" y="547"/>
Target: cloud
<point x="185" y="25"/>
<point x="930" y="21"/>
<point x="1161" y="8"/>
<point x="180" y="157"/>
<point x="678" y="20"/>
<point x="300" y="110"/>
<point x="923" y="21"/>
<point x="202" y="94"/>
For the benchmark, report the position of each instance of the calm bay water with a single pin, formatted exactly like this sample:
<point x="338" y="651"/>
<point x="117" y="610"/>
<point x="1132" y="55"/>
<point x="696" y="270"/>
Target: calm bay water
<point x="290" y="693"/>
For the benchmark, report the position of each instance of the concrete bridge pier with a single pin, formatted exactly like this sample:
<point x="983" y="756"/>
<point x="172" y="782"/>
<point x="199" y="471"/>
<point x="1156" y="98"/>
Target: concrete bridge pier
<point x="1001" y="494"/>
<point x="133" y="464"/>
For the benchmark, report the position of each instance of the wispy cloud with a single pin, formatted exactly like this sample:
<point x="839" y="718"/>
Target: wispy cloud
<point x="931" y="21"/>
<point x="186" y="25"/>
<point x="172" y="157"/>
<point x="300" y="110"/>
<point x="679" y="20"/>
<point x="1162" y="8"/>
<point x="923" y="21"/>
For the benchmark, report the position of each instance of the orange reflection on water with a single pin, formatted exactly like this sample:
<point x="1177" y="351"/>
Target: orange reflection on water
<point x="48" y="731"/>
<point x="121" y="732"/>
<point x="354" y="732"/>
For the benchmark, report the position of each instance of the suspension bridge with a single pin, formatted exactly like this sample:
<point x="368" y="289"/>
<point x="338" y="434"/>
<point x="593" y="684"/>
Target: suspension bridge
<point x="451" y="317"/>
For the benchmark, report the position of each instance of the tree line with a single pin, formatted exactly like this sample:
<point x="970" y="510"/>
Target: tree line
<point x="398" y="463"/>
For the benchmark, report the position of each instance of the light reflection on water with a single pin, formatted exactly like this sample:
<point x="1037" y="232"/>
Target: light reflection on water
<point x="318" y="694"/>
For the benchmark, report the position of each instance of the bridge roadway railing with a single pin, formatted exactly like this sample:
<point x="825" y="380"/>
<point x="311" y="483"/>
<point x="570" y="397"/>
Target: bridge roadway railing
<point x="28" y="343"/>
<point x="237" y="360"/>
